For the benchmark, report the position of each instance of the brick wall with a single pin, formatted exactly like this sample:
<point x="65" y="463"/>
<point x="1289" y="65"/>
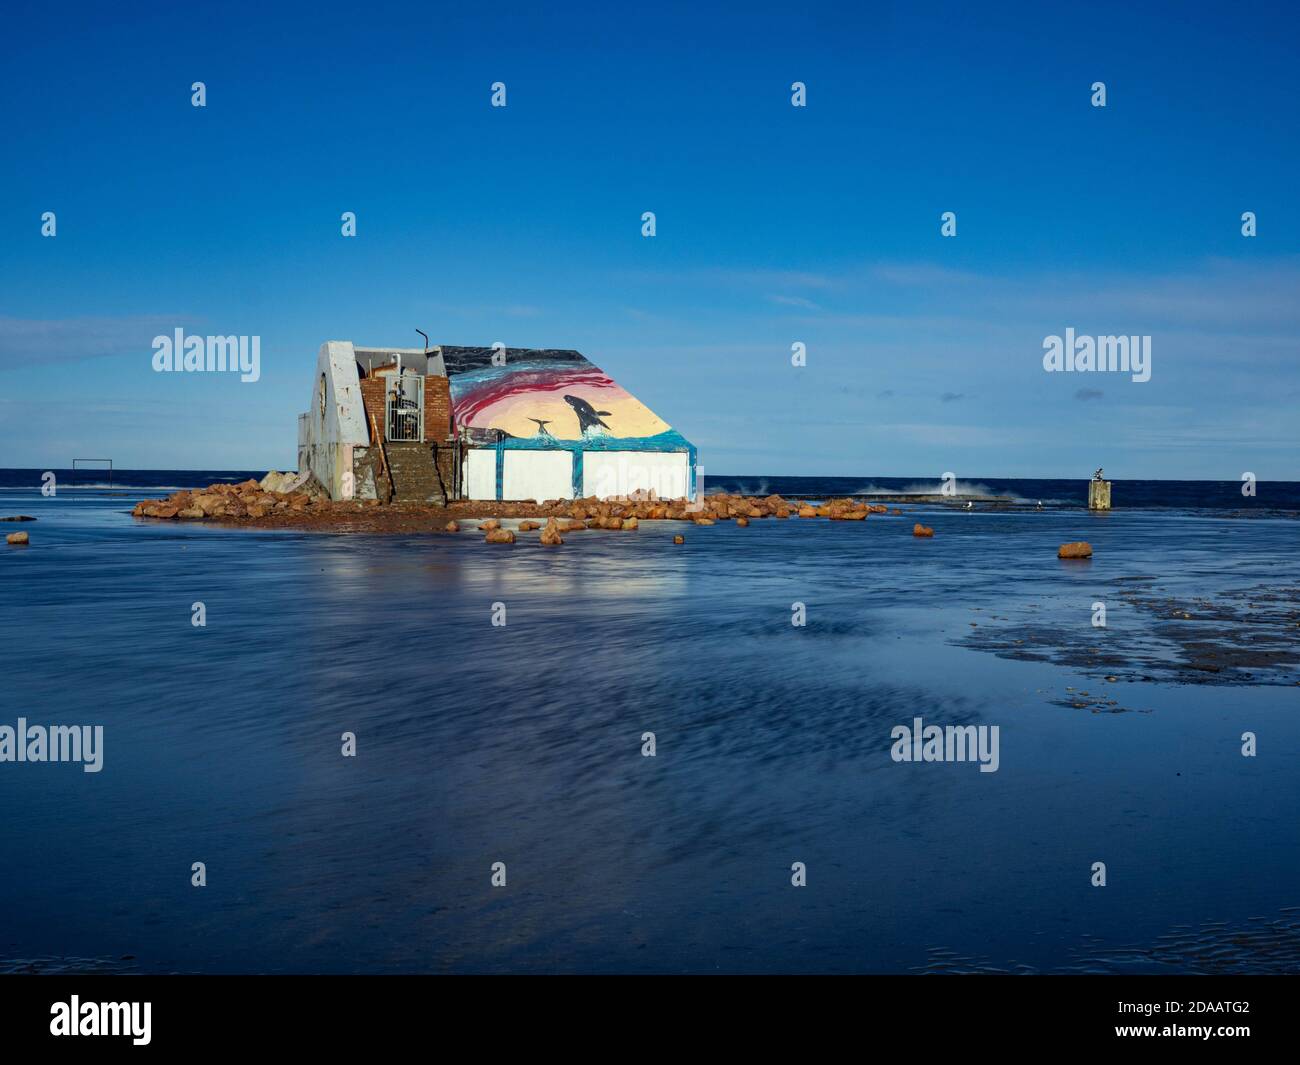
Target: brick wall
<point x="372" y="399"/>
<point x="437" y="409"/>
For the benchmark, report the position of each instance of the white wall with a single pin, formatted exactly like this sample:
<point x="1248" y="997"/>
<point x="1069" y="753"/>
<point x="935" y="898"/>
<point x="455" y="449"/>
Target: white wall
<point x="326" y="437"/>
<point x="538" y="475"/>
<point x="480" y="473"/>
<point x="619" y="473"/>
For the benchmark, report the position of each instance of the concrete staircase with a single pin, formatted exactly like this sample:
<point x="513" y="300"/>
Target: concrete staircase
<point x="415" y="479"/>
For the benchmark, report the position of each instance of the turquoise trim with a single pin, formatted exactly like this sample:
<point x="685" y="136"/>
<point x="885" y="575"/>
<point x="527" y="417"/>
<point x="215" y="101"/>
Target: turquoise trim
<point x="666" y="441"/>
<point x="577" y="474"/>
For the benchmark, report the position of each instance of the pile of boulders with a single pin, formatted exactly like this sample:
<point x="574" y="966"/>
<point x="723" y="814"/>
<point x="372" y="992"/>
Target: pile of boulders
<point x="298" y="499"/>
<point x="723" y="506"/>
<point x="248" y="499"/>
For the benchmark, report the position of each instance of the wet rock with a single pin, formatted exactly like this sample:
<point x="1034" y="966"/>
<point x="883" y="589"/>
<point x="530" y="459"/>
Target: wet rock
<point x="806" y="511"/>
<point x="17" y="539"/>
<point x="922" y="530"/>
<point x="18" y="517"/>
<point x="630" y="523"/>
<point x="573" y="526"/>
<point x="679" y="539"/>
<point x="703" y="521"/>
<point x="451" y="526"/>
<point x="742" y="522"/>
<point x="529" y="526"/>
<point x="551" y="536"/>
<point x="1078" y="549"/>
<point x="195" y="514"/>
<point x="499" y="536"/>
<point x="491" y="525"/>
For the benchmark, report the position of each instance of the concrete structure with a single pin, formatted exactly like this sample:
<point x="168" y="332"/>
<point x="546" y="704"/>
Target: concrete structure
<point x="416" y="425"/>
<point x="1099" y="495"/>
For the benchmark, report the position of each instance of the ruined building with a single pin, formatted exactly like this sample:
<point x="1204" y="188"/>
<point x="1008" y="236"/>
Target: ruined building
<point x="417" y="425"/>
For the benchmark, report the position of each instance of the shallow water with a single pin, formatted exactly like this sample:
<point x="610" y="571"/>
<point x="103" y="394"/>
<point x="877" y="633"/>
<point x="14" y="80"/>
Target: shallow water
<point x="522" y="744"/>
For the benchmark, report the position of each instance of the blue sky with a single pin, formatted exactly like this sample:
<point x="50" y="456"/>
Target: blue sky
<point x="775" y="224"/>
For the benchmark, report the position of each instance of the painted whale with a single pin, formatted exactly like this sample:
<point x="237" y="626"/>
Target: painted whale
<point x="588" y="416"/>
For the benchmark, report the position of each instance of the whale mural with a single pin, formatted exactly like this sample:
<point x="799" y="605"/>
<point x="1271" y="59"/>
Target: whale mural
<point x="551" y="395"/>
<point x="547" y="424"/>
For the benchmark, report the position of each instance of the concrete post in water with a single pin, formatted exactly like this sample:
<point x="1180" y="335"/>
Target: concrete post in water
<point x="1098" y="495"/>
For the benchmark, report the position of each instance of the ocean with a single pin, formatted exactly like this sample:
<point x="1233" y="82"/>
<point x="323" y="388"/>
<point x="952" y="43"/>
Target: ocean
<point x="483" y="746"/>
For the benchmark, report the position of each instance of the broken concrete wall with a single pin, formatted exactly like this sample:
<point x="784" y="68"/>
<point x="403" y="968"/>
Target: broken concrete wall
<point x="335" y="424"/>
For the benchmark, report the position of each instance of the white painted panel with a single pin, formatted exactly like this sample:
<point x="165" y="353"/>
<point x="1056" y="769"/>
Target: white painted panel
<point x="619" y="473"/>
<point x="481" y="473"/>
<point x="539" y="475"/>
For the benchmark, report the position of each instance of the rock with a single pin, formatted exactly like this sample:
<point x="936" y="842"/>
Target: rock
<point x="529" y="526"/>
<point x="274" y="481"/>
<point x="551" y="536"/>
<point x="194" y="513"/>
<point x="630" y="523"/>
<point x="703" y="521"/>
<point x="17" y="539"/>
<point x="896" y="510"/>
<point x="18" y="517"/>
<point x="1078" y="549"/>
<point x="499" y="536"/>
<point x="303" y="482"/>
<point x="922" y="530"/>
<point x="574" y="526"/>
<point x="679" y="539"/>
<point x="742" y="522"/>
<point x="491" y="525"/>
<point x="806" y="511"/>
<point x="165" y="511"/>
<point x="451" y="526"/>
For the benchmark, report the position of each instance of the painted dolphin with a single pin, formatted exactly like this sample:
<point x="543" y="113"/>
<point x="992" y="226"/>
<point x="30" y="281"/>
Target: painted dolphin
<point x="588" y="417"/>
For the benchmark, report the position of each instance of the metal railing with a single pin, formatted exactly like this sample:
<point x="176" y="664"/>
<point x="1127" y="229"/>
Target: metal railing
<point x="404" y="408"/>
